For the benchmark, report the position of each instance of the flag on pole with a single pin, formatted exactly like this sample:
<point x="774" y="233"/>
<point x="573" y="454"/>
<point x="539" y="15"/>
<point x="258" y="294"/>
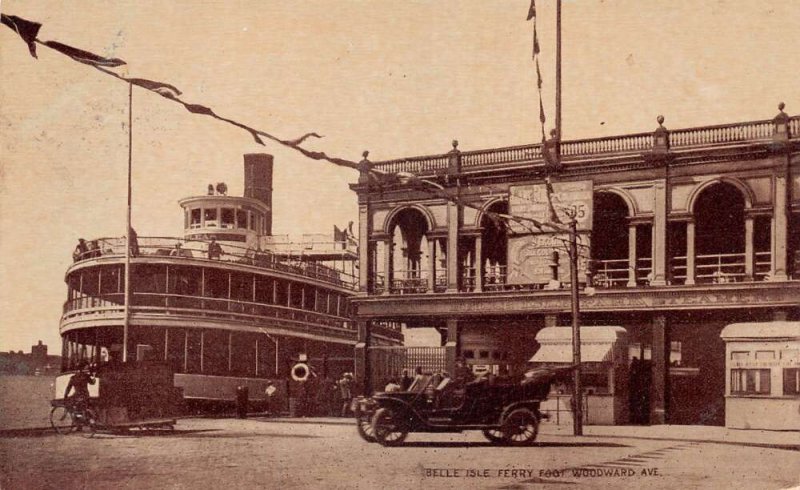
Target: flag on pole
<point x="26" y="29"/>
<point x="161" y="88"/>
<point x="552" y="216"/>
<point x="536" y="48"/>
<point x="532" y="10"/>
<point x="82" y="56"/>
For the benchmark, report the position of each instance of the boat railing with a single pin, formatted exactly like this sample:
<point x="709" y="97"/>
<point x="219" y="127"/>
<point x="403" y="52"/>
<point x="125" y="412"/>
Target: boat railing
<point x="199" y="250"/>
<point x="201" y="306"/>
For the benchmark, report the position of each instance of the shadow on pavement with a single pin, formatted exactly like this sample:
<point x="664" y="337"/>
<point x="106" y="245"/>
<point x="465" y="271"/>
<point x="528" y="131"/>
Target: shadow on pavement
<point x="489" y="444"/>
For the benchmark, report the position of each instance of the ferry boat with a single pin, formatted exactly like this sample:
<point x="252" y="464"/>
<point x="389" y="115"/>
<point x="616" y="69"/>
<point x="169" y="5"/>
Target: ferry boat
<point x="225" y="306"/>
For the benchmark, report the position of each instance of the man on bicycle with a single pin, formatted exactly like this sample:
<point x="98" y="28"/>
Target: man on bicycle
<point x="80" y="382"/>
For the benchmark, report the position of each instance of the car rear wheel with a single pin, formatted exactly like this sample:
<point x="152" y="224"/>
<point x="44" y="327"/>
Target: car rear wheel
<point x="364" y="426"/>
<point x="495" y="436"/>
<point x="520" y="427"/>
<point x="387" y="428"/>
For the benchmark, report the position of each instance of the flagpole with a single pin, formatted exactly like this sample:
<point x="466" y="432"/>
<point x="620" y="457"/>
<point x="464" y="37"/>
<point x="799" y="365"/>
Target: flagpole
<point x="558" y="72"/>
<point x="127" y="316"/>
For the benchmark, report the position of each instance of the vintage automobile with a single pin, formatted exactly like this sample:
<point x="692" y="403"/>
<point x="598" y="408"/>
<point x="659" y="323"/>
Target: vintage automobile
<point x="506" y="409"/>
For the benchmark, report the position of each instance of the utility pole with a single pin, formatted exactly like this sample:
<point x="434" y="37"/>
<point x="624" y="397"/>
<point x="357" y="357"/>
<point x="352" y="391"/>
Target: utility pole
<point x="577" y="419"/>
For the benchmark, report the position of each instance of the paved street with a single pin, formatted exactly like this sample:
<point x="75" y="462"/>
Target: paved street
<point x="270" y="453"/>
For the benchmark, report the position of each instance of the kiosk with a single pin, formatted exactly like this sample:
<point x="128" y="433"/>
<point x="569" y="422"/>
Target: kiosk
<point x="762" y="368"/>
<point x="604" y="373"/>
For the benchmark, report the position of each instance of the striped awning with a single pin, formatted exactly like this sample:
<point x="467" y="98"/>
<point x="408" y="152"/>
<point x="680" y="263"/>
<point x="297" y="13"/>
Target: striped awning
<point x="563" y="353"/>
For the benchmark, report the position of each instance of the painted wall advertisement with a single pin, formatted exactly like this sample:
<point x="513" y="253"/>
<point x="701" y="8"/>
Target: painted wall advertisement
<point x="538" y="256"/>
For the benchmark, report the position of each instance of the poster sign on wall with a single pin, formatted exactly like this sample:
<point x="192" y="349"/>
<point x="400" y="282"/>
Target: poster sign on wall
<point x="531" y="201"/>
<point x="536" y="259"/>
<point x="538" y="256"/>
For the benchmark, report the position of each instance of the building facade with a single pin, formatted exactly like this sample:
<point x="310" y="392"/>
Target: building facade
<point x="680" y="232"/>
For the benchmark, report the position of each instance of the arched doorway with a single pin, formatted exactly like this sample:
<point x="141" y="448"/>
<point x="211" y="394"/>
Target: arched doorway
<point x="409" y="252"/>
<point x="719" y="242"/>
<point x="494" y="255"/>
<point x="610" y="250"/>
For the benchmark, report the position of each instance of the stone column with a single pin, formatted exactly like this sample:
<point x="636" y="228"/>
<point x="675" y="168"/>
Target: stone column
<point x="431" y="264"/>
<point x="660" y="370"/>
<point x="387" y="265"/>
<point x="780" y="228"/>
<point x="632" y="255"/>
<point x="452" y="247"/>
<point x="660" y="234"/>
<point x="451" y="346"/>
<point x="364" y="228"/>
<point x="362" y="367"/>
<point x="478" y="264"/>
<point x="749" y="254"/>
<point x="690" y="253"/>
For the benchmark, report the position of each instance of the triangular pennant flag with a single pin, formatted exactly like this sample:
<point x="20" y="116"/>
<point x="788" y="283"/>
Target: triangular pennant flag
<point x="299" y="140"/>
<point x="541" y="110"/>
<point x="83" y="56"/>
<point x="26" y="29"/>
<point x="532" y="10"/>
<point x="162" y="89"/>
<point x="538" y="76"/>
<point x="536" y="48"/>
<point x="199" y="109"/>
<point x="552" y="216"/>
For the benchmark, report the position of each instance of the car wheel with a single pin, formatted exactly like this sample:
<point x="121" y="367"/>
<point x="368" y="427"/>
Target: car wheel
<point x="364" y="426"/>
<point x="388" y="430"/>
<point x="520" y="427"/>
<point x="495" y="436"/>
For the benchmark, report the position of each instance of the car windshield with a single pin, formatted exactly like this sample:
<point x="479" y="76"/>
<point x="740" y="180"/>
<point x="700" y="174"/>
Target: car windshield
<point x="420" y="383"/>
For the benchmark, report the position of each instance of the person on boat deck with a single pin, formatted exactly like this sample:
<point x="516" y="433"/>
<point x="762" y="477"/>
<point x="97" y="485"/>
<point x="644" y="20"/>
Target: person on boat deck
<point x="80" y="382"/>
<point x="134" y="242"/>
<point x="93" y="249"/>
<point x="214" y="250"/>
<point x="80" y="250"/>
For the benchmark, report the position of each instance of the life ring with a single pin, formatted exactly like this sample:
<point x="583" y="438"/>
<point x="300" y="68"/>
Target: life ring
<point x="301" y="372"/>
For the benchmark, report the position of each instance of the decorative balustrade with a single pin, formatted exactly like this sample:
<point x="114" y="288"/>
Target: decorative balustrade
<point x="198" y="249"/>
<point x="615" y="144"/>
<point x="513" y="154"/>
<point x="718" y="135"/>
<point x="722" y="134"/>
<point x="794" y="127"/>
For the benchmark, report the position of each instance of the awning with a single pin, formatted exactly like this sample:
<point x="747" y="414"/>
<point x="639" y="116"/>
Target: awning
<point x="563" y="353"/>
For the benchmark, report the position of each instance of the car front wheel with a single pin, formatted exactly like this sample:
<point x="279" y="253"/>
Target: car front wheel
<point x="387" y="428"/>
<point x="520" y="427"/>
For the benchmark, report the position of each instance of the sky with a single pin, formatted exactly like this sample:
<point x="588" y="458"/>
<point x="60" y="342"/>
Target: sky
<point x="395" y="78"/>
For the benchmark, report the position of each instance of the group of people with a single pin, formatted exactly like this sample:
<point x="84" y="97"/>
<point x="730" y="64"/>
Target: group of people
<point x="86" y="250"/>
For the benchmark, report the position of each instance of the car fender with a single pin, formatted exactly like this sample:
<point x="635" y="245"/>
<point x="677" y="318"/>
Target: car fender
<point x="532" y="405"/>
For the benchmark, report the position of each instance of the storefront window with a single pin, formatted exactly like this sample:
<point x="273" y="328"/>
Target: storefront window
<point x="791" y="381"/>
<point x="750" y="381"/>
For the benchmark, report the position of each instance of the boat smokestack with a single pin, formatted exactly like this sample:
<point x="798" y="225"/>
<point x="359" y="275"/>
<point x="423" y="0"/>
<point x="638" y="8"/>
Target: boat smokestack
<point x="258" y="182"/>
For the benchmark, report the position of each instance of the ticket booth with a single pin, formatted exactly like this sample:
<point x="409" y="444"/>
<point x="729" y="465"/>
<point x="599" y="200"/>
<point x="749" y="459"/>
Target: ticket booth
<point x="762" y="369"/>
<point x="604" y="373"/>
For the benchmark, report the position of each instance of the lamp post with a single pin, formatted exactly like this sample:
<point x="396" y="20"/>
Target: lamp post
<point x="572" y="231"/>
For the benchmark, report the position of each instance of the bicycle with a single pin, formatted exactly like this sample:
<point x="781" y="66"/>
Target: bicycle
<point x="65" y="418"/>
